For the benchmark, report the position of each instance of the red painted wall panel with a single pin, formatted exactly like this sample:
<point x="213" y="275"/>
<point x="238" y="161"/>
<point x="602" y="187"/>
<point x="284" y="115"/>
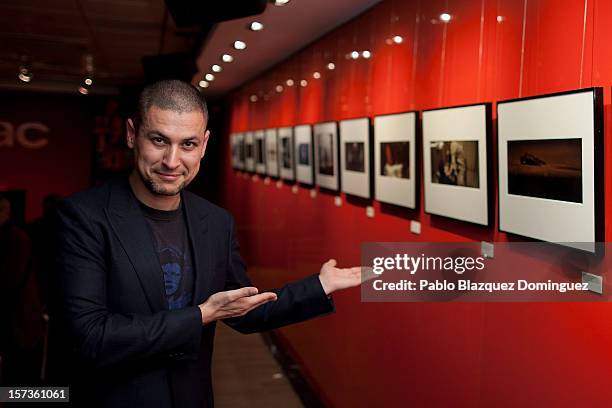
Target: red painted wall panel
<point x="427" y="354"/>
<point x="63" y="165"/>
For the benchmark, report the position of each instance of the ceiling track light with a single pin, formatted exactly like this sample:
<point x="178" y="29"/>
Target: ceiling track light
<point x="216" y="68"/>
<point x="227" y="58"/>
<point x="279" y="2"/>
<point x="209" y="77"/>
<point x="204" y="84"/>
<point x="25" y="75"/>
<point x="256" y="26"/>
<point x="239" y="45"/>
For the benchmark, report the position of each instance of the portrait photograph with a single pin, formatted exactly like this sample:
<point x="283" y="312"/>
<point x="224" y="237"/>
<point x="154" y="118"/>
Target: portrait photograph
<point x="326" y="152"/>
<point x="304" y="169"/>
<point x="271" y="144"/>
<point x="304" y="154"/>
<point x="234" y="146"/>
<point x="550" y="167"/>
<point x="241" y="150"/>
<point x="456" y="181"/>
<point x="355" y="157"/>
<point x="259" y="152"/>
<point x="455" y="163"/>
<point x="260" y="149"/>
<point x="285" y="146"/>
<point x="249" y="142"/>
<point x="395" y="159"/>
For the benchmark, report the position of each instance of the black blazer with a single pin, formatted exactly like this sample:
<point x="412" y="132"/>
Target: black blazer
<point x="131" y="351"/>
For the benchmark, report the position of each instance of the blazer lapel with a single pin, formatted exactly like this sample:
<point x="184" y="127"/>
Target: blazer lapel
<point x="197" y="226"/>
<point x="135" y="237"/>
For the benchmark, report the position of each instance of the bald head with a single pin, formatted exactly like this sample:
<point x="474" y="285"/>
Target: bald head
<point x="171" y="95"/>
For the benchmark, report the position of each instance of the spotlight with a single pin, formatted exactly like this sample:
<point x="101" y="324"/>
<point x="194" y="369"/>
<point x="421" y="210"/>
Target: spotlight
<point x="25" y="75"/>
<point x="253" y="98"/>
<point x="289" y="82"/>
<point x="331" y="66"/>
<point x="303" y="83"/>
<point x="216" y="68"/>
<point x="280" y="2"/>
<point x="445" y="17"/>
<point x="239" y="45"/>
<point x="316" y="75"/>
<point x="204" y="84"/>
<point x="209" y="77"/>
<point x="279" y="88"/>
<point x="500" y="19"/>
<point x="227" y="58"/>
<point x="398" y="39"/>
<point x="366" y="54"/>
<point x="88" y="81"/>
<point x="355" y="55"/>
<point x="256" y="26"/>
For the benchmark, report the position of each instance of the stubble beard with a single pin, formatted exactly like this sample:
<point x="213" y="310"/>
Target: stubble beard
<point x="157" y="189"/>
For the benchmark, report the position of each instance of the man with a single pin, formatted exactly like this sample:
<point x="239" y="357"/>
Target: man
<point x="146" y="269"/>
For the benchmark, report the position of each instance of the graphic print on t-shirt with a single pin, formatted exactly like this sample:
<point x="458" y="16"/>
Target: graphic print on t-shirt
<point x="176" y="270"/>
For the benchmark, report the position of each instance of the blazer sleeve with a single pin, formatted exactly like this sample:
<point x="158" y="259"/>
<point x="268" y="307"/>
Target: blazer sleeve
<point x="296" y="302"/>
<point x="102" y="338"/>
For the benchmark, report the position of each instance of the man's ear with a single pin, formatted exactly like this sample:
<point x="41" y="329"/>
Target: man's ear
<point x="131" y="133"/>
<point x="206" y="136"/>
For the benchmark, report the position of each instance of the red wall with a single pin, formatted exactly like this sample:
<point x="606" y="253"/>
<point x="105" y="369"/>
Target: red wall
<point x="427" y="354"/>
<point x="63" y="165"/>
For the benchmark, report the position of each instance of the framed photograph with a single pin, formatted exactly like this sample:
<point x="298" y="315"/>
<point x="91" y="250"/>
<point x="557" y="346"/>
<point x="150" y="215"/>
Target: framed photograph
<point x="285" y="153"/>
<point x="235" y="145"/>
<point x="355" y="160"/>
<point x="249" y="145"/>
<point x="303" y="154"/>
<point x="455" y="166"/>
<point x="550" y="158"/>
<point x="271" y="139"/>
<point x="327" y="173"/>
<point x="259" y="152"/>
<point x="395" y="167"/>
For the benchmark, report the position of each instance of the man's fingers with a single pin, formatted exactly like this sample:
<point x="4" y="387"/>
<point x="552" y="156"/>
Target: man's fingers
<point x="331" y="262"/>
<point x="244" y="305"/>
<point x="367" y="273"/>
<point x="233" y="295"/>
<point x="260" y="302"/>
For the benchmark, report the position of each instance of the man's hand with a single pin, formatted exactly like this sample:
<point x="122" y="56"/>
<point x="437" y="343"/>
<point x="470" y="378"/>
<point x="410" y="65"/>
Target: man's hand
<point x="333" y="279"/>
<point x="233" y="303"/>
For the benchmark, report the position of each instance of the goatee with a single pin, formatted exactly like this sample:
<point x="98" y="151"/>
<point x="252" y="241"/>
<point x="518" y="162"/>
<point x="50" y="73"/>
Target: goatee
<point x="159" y="190"/>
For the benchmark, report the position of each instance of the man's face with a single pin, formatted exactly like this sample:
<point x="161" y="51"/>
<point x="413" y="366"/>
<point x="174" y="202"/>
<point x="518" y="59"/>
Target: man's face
<point x="168" y="149"/>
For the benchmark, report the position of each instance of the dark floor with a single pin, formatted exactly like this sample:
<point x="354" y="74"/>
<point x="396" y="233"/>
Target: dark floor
<point x="246" y="374"/>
